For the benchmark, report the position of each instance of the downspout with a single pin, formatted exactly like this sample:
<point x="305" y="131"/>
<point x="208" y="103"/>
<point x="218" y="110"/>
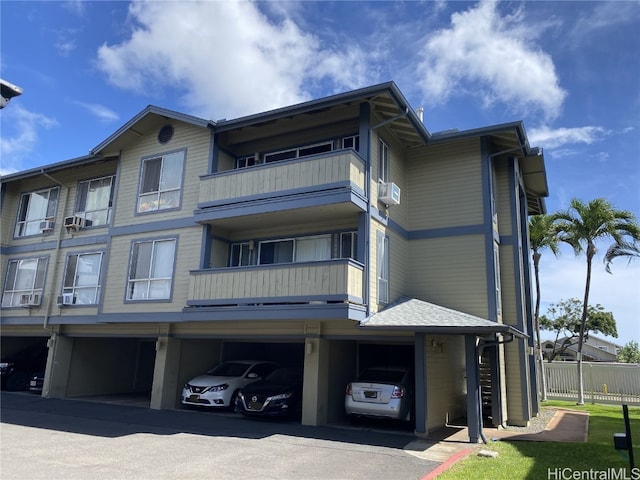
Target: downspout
<point x="483" y="344"/>
<point x="45" y="322"/>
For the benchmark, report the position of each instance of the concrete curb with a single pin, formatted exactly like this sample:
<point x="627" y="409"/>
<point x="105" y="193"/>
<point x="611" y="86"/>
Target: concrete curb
<point x="446" y="465"/>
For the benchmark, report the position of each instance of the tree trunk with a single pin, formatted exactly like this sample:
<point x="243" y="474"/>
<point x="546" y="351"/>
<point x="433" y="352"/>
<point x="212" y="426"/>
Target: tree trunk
<point x="591" y="250"/>
<point x="543" y="378"/>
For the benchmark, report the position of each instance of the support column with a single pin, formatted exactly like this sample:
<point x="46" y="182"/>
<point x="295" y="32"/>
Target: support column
<point x="56" y="375"/>
<point x="474" y="404"/>
<point x="316" y="382"/>
<point x="420" y="385"/>
<point x="165" y="391"/>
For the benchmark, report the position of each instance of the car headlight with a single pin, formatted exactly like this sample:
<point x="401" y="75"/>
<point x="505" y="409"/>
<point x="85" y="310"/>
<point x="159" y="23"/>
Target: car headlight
<point x="282" y="396"/>
<point x="217" y="388"/>
<point x="5" y="365"/>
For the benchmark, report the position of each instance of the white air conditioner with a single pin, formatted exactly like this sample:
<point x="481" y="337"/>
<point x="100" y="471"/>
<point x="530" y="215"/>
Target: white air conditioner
<point x="46" y="226"/>
<point x="73" y="223"/>
<point x="29" y="299"/>
<point x="389" y="193"/>
<point x="66" y="299"/>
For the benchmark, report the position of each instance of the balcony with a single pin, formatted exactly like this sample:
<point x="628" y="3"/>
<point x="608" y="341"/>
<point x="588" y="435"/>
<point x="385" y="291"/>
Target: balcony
<point x="338" y="280"/>
<point x="335" y="178"/>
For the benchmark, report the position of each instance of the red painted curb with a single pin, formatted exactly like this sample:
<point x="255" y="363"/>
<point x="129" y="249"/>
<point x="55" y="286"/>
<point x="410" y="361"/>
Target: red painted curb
<point x="446" y="465"/>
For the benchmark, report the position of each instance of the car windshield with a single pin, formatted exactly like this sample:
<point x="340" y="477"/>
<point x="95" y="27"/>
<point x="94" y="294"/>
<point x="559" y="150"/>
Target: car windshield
<point x="285" y="375"/>
<point x="382" y="375"/>
<point x="229" y="369"/>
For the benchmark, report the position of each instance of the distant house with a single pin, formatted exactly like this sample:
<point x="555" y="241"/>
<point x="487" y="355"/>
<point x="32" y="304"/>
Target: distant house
<point x="594" y="350"/>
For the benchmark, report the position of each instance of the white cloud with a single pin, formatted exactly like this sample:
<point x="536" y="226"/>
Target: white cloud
<point x="493" y="56"/>
<point x="564" y="277"/>
<point x="21" y="140"/>
<point x="103" y="113"/>
<point x="547" y="137"/>
<point x="228" y="58"/>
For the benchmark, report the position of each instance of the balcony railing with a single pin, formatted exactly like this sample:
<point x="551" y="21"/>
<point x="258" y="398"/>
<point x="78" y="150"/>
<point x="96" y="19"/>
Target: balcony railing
<point x="335" y="168"/>
<point x="331" y="281"/>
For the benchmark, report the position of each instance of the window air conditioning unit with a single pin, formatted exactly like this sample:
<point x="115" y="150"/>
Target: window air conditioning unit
<point x="29" y="299"/>
<point x="389" y="193"/>
<point x="66" y="299"/>
<point x="73" y="223"/>
<point x="46" y="226"/>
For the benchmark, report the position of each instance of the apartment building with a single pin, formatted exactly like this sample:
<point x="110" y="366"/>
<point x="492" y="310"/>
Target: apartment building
<point x="334" y="235"/>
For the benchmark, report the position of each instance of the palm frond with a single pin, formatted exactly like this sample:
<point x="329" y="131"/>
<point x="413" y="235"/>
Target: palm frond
<point x="620" y="249"/>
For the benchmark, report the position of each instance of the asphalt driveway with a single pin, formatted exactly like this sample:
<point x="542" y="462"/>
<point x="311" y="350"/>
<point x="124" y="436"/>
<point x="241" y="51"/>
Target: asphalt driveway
<point x="72" y="439"/>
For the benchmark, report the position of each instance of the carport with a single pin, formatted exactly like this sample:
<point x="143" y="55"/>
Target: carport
<point x="428" y="320"/>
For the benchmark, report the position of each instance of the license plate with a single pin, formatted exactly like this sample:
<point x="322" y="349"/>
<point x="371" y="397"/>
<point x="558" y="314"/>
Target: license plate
<point x="33" y="383"/>
<point x="369" y="394"/>
<point x="194" y="397"/>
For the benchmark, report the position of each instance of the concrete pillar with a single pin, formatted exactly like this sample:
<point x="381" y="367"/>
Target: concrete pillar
<point x="420" y="385"/>
<point x="56" y="376"/>
<point x="316" y="382"/>
<point x="166" y="388"/>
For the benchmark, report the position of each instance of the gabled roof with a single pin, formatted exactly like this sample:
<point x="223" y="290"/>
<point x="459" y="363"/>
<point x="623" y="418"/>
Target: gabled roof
<point x="417" y="315"/>
<point x="134" y="128"/>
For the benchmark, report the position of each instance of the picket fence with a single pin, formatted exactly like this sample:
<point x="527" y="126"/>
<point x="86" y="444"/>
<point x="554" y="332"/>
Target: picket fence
<point x="617" y="383"/>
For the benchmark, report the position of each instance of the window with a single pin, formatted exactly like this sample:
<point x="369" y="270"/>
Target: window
<point x="383" y="161"/>
<point x="160" y="182"/>
<point x="94" y="200"/>
<point x="24" y="278"/>
<point x="351" y="142"/>
<point x="245" y="162"/>
<point x="299" y="152"/>
<point x="241" y="254"/>
<point x="151" y="270"/>
<point x="82" y="277"/>
<point x="383" y="268"/>
<point x="496" y="270"/>
<point x="348" y="245"/>
<point x="36" y="207"/>
<point x="302" y="249"/>
<point x="276" y="251"/>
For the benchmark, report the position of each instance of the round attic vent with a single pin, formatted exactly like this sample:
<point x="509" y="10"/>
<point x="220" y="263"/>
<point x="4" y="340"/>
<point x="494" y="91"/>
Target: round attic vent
<point x="165" y="134"/>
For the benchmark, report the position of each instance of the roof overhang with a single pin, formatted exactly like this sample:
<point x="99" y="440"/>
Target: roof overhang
<point x="420" y="316"/>
<point x="388" y="105"/>
<point x="55" y="167"/>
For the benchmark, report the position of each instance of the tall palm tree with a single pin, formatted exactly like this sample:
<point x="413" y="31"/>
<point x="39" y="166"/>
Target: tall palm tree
<point x="542" y="234"/>
<point x="581" y="226"/>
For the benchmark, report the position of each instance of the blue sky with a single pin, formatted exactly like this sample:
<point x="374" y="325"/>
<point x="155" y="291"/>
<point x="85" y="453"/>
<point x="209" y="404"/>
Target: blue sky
<point x="569" y="70"/>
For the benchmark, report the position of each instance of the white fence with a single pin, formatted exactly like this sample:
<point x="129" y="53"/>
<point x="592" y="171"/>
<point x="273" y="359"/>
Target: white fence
<point x="603" y="382"/>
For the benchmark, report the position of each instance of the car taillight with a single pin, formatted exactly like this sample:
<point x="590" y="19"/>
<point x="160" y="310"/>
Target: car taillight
<point x="398" y="392"/>
<point x="349" y="389"/>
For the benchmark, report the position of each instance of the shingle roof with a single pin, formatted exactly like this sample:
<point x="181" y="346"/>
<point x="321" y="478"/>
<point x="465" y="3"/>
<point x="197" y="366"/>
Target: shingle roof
<point x="418" y="315"/>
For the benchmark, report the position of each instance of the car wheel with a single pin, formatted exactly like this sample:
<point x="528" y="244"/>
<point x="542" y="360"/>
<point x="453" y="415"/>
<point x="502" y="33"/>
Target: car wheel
<point x="18" y="381"/>
<point x="233" y="403"/>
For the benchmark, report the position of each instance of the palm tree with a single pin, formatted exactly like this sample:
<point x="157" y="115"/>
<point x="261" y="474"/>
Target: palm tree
<point x="581" y="226"/>
<point x="542" y="234"/>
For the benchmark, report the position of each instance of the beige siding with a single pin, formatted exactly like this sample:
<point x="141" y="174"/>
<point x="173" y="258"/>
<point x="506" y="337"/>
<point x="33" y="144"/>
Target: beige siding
<point x="513" y="383"/>
<point x="446" y="386"/>
<point x="266" y="179"/>
<point x="445" y="187"/>
<point x="504" y="197"/>
<point x="307" y="279"/>
<point x="189" y="240"/>
<point x="195" y="140"/>
<point x="508" y="283"/>
<point x="451" y="272"/>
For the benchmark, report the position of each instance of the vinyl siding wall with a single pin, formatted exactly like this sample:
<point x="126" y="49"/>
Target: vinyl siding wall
<point x="195" y="141"/>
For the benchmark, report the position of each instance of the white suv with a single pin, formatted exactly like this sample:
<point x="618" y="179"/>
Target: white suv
<point x="219" y="387"/>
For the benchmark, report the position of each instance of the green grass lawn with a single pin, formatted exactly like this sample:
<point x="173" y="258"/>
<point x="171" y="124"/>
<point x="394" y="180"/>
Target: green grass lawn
<point x="533" y="460"/>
